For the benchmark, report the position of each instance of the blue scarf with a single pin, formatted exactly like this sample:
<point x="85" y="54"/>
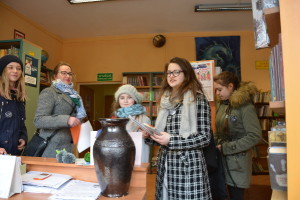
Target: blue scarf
<point x="135" y="109"/>
<point x="68" y="90"/>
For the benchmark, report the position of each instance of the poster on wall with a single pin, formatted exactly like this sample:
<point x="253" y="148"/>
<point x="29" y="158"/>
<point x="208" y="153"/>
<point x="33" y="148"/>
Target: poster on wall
<point x="31" y="71"/>
<point x="204" y="70"/>
<point x="225" y="51"/>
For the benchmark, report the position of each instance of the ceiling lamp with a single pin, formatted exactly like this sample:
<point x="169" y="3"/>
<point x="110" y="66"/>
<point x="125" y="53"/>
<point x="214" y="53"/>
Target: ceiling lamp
<point x="83" y="1"/>
<point x="223" y="7"/>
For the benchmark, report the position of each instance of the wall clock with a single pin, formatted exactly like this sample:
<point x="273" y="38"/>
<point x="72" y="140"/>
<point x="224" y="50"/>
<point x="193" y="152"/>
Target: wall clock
<point x="159" y="40"/>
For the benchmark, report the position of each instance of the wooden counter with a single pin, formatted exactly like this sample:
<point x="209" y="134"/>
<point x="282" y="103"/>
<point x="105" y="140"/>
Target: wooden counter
<point x="137" y="190"/>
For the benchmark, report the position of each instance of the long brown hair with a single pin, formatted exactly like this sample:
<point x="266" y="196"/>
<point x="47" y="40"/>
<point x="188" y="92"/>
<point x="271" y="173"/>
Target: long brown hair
<point x="190" y="80"/>
<point x="224" y="79"/>
<point x="5" y="87"/>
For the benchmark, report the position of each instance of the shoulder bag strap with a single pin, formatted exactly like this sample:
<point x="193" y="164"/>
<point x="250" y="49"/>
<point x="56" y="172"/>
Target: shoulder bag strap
<point x="49" y="138"/>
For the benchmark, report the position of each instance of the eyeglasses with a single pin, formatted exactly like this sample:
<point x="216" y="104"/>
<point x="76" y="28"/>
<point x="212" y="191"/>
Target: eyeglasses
<point x="64" y="73"/>
<point x="174" y="73"/>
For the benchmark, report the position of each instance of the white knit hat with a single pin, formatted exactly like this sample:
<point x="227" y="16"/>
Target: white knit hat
<point x="130" y="90"/>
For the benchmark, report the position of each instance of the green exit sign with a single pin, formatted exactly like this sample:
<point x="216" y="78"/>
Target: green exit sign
<point x="105" y="77"/>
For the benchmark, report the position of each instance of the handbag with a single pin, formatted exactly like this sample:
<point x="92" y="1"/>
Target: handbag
<point x="37" y="145"/>
<point x="210" y="155"/>
<point x="215" y="170"/>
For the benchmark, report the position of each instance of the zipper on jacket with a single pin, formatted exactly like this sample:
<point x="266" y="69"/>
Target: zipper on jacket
<point x="2" y="103"/>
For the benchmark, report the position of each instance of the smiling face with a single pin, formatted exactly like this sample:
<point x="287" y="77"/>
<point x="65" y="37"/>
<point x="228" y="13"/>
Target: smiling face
<point x="125" y="100"/>
<point x="64" y="74"/>
<point x="175" y="76"/>
<point x="14" y="72"/>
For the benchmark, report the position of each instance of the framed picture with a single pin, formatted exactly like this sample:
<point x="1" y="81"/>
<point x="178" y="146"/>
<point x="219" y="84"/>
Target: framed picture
<point x="18" y="34"/>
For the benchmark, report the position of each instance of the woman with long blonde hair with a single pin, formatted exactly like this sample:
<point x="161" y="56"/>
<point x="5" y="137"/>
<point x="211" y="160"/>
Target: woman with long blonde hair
<point x="13" y="132"/>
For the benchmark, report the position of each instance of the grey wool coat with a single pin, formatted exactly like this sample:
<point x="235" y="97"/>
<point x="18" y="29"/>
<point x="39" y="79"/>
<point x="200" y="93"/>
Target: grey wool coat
<point x="244" y="132"/>
<point x="53" y="111"/>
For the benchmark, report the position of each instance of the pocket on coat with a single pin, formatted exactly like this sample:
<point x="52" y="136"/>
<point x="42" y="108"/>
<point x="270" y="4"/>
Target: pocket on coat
<point x="237" y="162"/>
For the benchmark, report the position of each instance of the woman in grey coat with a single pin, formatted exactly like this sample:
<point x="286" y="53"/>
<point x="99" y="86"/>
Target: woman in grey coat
<point x="59" y="108"/>
<point x="238" y="130"/>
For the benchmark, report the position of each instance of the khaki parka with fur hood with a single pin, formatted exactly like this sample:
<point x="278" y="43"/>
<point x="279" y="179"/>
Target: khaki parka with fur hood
<point x="242" y="134"/>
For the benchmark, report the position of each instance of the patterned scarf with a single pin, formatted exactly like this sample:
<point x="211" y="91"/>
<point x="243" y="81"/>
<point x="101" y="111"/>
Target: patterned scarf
<point x="188" y="125"/>
<point x="135" y="109"/>
<point x="68" y="90"/>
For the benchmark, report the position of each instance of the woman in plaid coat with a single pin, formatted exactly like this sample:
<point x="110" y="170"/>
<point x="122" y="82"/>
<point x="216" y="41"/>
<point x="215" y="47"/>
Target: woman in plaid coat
<point x="184" y="120"/>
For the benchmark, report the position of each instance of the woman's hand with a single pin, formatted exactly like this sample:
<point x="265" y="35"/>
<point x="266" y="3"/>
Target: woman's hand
<point x="2" y="151"/>
<point x="21" y="144"/>
<point x="162" y="139"/>
<point x="73" y="121"/>
<point x="145" y="134"/>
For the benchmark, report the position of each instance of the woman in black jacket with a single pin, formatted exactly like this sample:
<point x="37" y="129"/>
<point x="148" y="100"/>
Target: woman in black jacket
<point x="13" y="132"/>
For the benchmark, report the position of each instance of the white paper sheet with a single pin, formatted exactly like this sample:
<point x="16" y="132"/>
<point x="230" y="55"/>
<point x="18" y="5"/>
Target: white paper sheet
<point x="77" y="190"/>
<point x="10" y="176"/>
<point x="93" y="139"/>
<point x="84" y="136"/>
<point x="54" y="181"/>
<point x="137" y="138"/>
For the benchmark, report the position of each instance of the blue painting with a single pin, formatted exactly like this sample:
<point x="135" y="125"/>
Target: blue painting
<point x="225" y="51"/>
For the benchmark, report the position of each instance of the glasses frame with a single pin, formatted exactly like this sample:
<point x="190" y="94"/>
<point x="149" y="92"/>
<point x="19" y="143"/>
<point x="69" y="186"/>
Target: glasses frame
<point x="175" y="73"/>
<point x="64" y="73"/>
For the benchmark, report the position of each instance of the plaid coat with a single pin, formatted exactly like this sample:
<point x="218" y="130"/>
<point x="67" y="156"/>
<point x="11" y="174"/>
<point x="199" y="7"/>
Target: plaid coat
<point x="186" y="168"/>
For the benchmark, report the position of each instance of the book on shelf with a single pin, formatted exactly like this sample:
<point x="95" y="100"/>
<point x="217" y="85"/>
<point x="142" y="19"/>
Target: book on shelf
<point x="276" y="73"/>
<point x="277" y="162"/>
<point x="276" y="136"/>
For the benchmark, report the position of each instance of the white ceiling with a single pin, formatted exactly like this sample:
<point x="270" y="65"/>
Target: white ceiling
<point x="125" y="17"/>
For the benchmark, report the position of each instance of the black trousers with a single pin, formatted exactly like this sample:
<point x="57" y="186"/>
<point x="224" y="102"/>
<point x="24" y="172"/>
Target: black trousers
<point x="236" y="193"/>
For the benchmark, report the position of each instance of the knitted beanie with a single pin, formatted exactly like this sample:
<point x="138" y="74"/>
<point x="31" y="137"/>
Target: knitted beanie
<point x="130" y="90"/>
<point x="5" y="60"/>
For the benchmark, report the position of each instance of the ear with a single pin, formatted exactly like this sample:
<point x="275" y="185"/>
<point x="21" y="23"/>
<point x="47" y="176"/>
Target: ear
<point x="230" y="86"/>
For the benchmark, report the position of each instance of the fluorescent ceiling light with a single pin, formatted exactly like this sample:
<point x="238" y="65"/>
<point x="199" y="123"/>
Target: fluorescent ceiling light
<point x="83" y="1"/>
<point x="223" y="7"/>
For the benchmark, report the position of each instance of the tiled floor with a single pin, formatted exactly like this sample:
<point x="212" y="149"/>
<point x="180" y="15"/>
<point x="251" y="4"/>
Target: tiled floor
<point x="260" y="188"/>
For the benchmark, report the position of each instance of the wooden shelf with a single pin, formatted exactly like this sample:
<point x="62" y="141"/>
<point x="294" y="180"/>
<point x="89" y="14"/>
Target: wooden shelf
<point x="278" y="107"/>
<point x="279" y="195"/>
<point x="272" y="17"/>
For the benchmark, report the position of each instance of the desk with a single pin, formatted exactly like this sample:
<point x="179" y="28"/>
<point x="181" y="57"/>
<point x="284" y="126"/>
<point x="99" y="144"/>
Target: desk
<point x="137" y="190"/>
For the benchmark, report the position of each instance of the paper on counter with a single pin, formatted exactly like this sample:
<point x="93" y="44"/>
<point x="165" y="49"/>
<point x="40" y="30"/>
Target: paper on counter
<point x="84" y="136"/>
<point x="78" y="190"/>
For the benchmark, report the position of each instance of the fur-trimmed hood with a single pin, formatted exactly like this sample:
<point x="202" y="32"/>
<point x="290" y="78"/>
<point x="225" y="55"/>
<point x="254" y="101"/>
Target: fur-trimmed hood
<point x="244" y="94"/>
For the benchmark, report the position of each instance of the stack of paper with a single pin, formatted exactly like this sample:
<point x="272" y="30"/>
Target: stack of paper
<point x="43" y="182"/>
<point x="77" y="190"/>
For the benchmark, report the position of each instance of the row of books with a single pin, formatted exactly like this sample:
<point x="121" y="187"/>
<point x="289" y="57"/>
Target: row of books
<point x="154" y="110"/>
<point x="135" y="80"/>
<point x="141" y="80"/>
<point x="269" y="123"/>
<point x="264" y="111"/>
<point x="276" y="73"/>
<point x="11" y="51"/>
<point x="150" y="96"/>
<point x="262" y="97"/>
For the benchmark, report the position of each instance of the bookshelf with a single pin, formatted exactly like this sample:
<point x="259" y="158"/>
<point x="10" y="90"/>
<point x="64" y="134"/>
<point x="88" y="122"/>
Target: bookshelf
<point x="277" y="103"/>
<point x="25" y="50"/>
<point x="45" y="77"/>
<point x="148" y="84"/>
<point x="268" y="118"/>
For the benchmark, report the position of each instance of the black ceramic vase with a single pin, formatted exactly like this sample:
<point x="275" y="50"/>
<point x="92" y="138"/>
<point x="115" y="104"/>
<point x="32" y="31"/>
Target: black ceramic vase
<point x="114" y="154"/>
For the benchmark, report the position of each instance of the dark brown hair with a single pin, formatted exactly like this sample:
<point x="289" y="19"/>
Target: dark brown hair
<point x="190" y="80"/>
<point x="225" y="78"/>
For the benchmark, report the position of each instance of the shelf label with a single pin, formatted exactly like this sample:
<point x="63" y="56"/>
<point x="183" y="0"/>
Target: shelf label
<point x="262" y="64"/>
<point x="105" y="77"/>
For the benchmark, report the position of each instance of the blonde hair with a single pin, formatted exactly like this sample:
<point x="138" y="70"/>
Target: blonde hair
<point x="5" y="87"/>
